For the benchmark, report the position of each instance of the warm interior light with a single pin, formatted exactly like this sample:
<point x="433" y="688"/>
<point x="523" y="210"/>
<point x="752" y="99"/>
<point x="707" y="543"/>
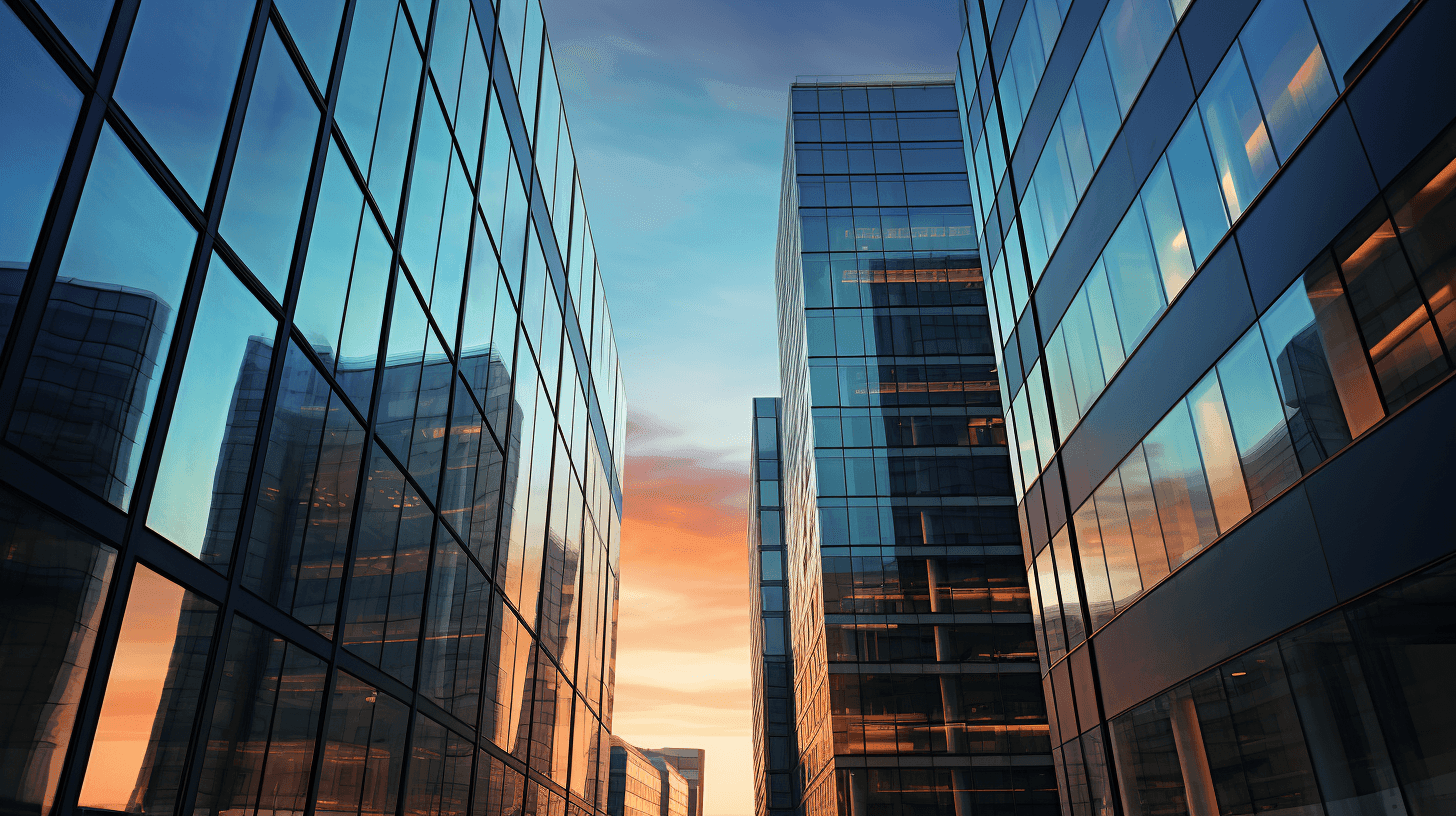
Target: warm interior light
<point x="1238" y="674"/>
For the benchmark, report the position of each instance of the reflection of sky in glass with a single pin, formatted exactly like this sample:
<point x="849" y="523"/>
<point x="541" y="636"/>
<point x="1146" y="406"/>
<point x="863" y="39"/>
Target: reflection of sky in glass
<point x="265" y="194"/>
<point x="203" y="421"/>
<point x="177" y="81"/>
<point x="83" y="22"/>
<point x="35" y="128"/>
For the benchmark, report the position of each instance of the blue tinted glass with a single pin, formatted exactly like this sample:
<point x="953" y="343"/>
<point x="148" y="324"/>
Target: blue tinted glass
<point x="203" y="476"/>
<point x="121" y="279"/>
<point x="396" y="119"/>
<point x="1133" y="277"/>
<point x="470" y="112"/>
<point x="1170" y="241"/>
<point x="447" y="288"/>
<point x="1197" y="184"/>
<point x="1289" y="72"/>
<point x="495" y="164"/>
<point x="1081" y="339"/>
<point x="320" y="309"/>
<point x="1348" y="27"/>
<point x="82" y="21"/>
<point x="1133" y="33"/>
<point x="364" y="315"/>
<point x="448" y="51"/>
<point x="35" y="128"/>
<point x="362" y="83"/>
<point x="427" y="195"/>
<point x="270" y="178"/>
<point x="314" y="26"/>
<point x="1257" y="418"/>
<point x="1097" y="100"/>
<point x="1236" y="132"/>
<point x="178" y="77"/>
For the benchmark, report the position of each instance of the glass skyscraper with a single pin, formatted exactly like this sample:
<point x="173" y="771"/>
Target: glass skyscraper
<point x="908" y="641"/>
<point x="310" y="480"/>
<point x="1220" y="240"/>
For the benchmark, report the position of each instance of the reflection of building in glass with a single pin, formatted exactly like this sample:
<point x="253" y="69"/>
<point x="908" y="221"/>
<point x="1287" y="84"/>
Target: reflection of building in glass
<point x="644" y="783"/>
<point x="353" y="427"/>
<point x="884" y="533"/>
<point x="1220" y="239"/>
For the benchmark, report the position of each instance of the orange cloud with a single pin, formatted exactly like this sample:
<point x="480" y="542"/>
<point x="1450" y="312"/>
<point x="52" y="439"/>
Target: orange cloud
<point x="682" y="651"/>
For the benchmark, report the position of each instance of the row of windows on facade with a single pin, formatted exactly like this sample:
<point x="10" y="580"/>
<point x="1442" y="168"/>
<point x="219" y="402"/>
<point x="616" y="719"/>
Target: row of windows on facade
<point x="904" y="584"/>
<point x="871" y="527"/>
<point x="968" y="713"/>
<point x="943" y="229"/>
<point x="1347" y="714"/>
<point x="904" y="127"/>
<point x="1296" y="389"/>
<point x="477" y="663"/>
<point x="889" y="160"/>
<point x="1139" y="278"/>
<point x="1004" y="790"/>
<point x="853" y="280"/>
<point x="898" y="98"/>
<point x="261" y="235"/>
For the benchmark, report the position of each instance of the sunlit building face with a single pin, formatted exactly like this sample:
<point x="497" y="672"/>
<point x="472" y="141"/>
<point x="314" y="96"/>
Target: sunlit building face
<point x="1218" y="238"/>
<point x="310" y="482"/>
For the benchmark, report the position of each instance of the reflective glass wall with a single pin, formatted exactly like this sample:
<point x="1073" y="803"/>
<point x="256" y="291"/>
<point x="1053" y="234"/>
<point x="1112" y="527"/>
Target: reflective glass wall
<point x="775" y="756"/>
<point x="1221" y="298"/>
<point x="915" y="674"/>
<point x="312" y="418"/>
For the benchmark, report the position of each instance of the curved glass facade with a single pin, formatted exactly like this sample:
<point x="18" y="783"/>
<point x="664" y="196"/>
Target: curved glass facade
<point x="1222" y="299"/>
<point x="312" y="418"/>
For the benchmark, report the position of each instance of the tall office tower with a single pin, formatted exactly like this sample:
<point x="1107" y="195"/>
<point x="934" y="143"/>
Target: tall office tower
<point x="1221" y="239"/>
<point x="310" y="416"/>
<point x="691" y="763"/>
<point x="915" y="682"/>
<point x="775" y="752"/>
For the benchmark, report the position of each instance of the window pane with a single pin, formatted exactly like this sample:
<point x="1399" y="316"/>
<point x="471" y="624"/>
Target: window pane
<point x="396" y="120"/>
<point x="439" y="773"/>
<point x="1198" y="188"/>
<point x="1342" y="346"/>
<point x="1064" y="399"/>
<point x="1311" y="406"/>
<point x="1133" y="276"/>
<point x="35" y="129"/>
<point x="1240" y="141"/>
<point x="1051" y="606"/>
<point x="1393" y="319"/>
<point x="121" y="279"/>
<point x="1289" y="71"/>
<point x="145" y="726"/>
<point x="203" y="476"/>
<point x="1104" y="321"/>
<point x="320" y="310"/>
<point x="1122" y="568"/>
<point x="1134" y="32"/>
<point x="1094" y="565"/>
<point x="1081" y="340"/>
<point x="264" y="726"/>
<point x="314" y="26"/>
<point x="53" y="582"/>
<point x="1220" y="456"/>
<point x="305" y="500"/>
<point x="270" y="177"/>
<point x="1170" y="240"/>
<point x="364" y="315"/>
<point x="1067" y="580"/>
<point x="433" y="155"/>
<point x="771" y="566"/>
<point x="178" y="78"/>
<point x="364" y="755"/>
<point x="1100" y="117"/>
<point x="357" y="110"/>
<point x="1424" y="202"/>
<point x="1185" y="507"/>
<point x="1142" y="516"/>
<point x="1257" y="419"/>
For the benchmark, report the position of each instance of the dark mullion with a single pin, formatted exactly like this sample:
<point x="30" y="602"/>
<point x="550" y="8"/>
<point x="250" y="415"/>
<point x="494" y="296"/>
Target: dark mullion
<point x="50" y="38"/>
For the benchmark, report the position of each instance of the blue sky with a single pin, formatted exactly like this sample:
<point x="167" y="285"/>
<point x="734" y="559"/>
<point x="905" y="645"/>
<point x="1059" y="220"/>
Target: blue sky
<point x="677" y="116"/>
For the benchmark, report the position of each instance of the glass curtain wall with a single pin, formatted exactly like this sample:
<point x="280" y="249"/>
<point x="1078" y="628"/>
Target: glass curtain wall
<point x="310" y="481"/>
<point x="910" y="614"/>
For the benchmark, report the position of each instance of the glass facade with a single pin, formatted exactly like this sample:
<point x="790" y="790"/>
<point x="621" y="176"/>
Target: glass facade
<point x="310" y="480"/>
<point x="1220" y="322"/>
<point x="644" y="783"/>
<point x="692" y="763"/>
<point x="914" y="674"/>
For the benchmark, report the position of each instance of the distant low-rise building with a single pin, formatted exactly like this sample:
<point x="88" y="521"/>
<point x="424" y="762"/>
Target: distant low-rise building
<point x="690" y="762"/>
<point x="644" y="783"/>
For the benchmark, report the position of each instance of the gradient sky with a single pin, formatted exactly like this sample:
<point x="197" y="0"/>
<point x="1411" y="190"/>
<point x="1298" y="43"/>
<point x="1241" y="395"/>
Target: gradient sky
<point x="677" y="113"/>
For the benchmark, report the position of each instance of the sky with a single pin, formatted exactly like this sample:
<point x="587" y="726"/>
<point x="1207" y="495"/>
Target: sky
<point x="677" y="114"/>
